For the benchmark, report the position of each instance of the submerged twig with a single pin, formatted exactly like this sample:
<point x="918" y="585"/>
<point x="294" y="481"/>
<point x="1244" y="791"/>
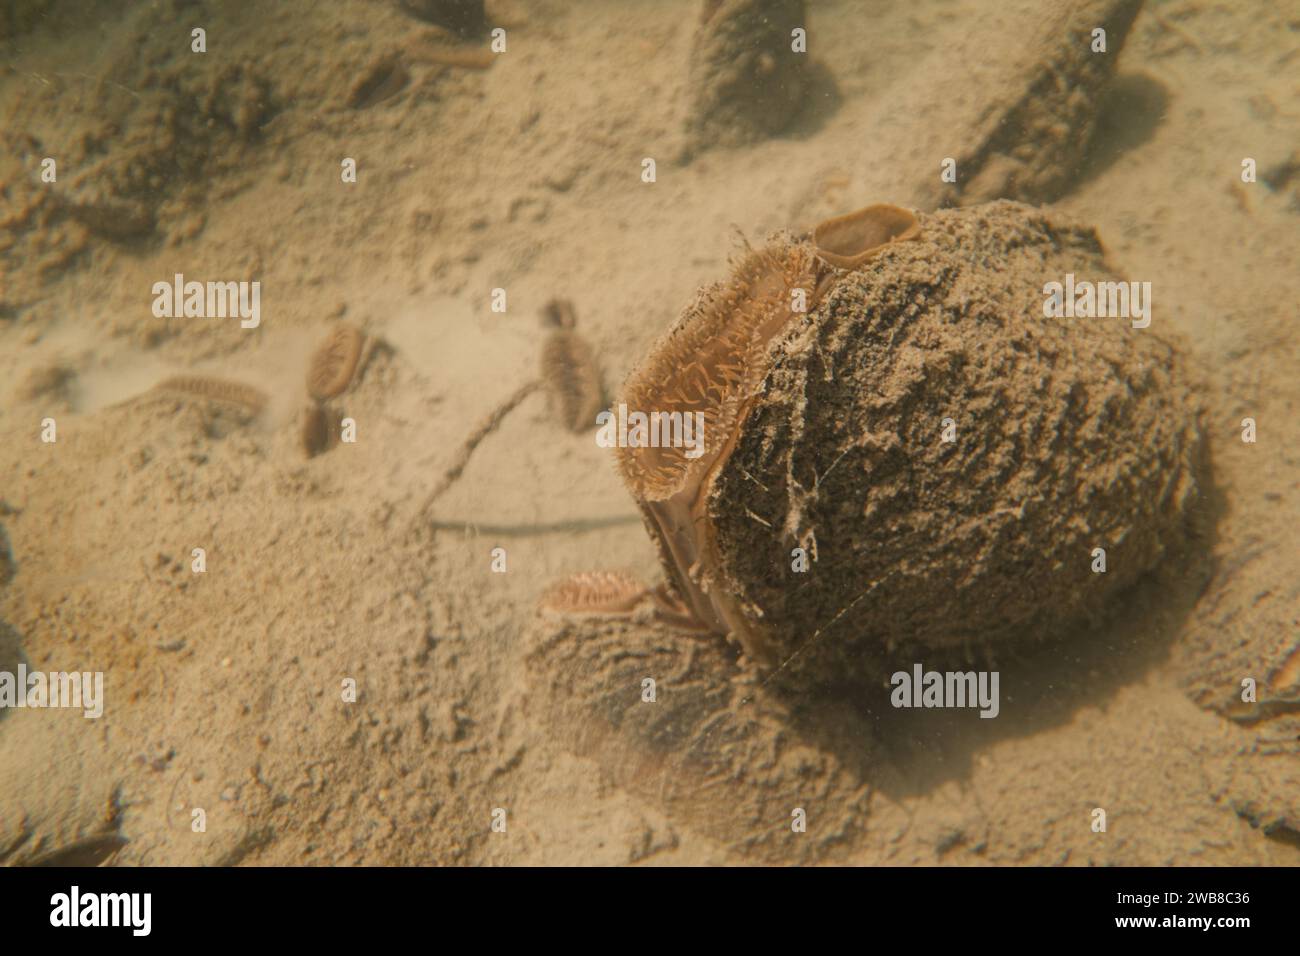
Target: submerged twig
<point x="485" y="428"/>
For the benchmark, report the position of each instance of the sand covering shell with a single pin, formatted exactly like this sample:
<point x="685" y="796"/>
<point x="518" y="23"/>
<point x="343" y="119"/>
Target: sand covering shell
<point x="1068" y="435"/>
<point x="745" y="81"/>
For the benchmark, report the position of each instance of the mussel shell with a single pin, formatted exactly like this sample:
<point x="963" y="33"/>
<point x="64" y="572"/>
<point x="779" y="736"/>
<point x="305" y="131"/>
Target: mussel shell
<point x="1071" y="434"/>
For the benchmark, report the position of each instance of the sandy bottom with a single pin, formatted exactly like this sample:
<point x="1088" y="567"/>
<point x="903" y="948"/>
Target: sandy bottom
<point x="224" y="690"/>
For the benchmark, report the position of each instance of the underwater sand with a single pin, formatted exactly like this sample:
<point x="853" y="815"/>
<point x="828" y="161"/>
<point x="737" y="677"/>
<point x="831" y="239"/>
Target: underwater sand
<point x="222" y="689"/>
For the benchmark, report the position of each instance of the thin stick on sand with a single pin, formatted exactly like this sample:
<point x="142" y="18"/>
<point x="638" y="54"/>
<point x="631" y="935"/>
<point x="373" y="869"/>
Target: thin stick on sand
<point x="485" y="428"/>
